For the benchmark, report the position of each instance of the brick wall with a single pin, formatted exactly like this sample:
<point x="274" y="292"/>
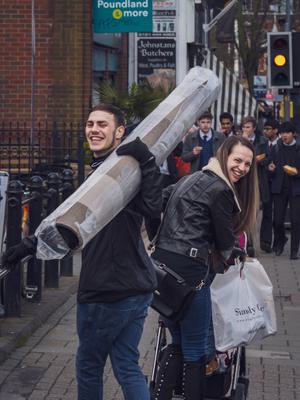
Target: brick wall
<point x="62" y="64"/>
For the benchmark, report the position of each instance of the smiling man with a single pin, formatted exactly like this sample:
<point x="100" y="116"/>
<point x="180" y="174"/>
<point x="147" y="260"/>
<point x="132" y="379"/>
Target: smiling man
<point x="104" y="131"/>
<point x="226" y="122"/>
<point x="117" y="277"/>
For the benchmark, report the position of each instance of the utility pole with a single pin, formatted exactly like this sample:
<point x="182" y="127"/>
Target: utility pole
<point x="205" y="31"/>
<point x="185" y="34"/>
<point x="207" y="26"/>
<point x="289" y="5"/>
<point x="32" y="129"/>
<point x="287" y="96"/>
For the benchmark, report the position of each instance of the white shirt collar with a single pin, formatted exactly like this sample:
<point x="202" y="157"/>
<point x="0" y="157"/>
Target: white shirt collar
<point x="291" y="144"/>
<point x="208" y="135"/>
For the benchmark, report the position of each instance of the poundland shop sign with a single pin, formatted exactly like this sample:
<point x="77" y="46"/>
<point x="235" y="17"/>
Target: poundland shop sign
<point x="122" y="16"/>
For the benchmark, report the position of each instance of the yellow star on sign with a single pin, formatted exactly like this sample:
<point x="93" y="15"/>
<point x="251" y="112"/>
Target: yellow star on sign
<point x="117" y="14"/>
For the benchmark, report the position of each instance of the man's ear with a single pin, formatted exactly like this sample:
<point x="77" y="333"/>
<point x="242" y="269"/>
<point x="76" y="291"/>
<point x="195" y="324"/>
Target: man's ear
<point x="120" y="132"/>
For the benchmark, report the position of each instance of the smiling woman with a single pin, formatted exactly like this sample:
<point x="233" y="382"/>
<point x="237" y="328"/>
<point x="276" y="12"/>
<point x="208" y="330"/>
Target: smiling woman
<point x="239" y="162"/>
<point x="203" y="217"/>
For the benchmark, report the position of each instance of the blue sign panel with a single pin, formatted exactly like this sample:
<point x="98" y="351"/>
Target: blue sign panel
<point x="122" y="16"/>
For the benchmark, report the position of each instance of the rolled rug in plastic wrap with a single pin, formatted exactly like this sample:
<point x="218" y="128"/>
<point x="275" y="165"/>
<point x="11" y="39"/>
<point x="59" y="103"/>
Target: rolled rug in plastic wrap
<point x="115" y="182"/>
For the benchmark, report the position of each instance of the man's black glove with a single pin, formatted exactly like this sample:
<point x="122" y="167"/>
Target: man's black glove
<point x="15" y="253"/>
<point x="237" y="253"/>
<point x="136" y="149"/>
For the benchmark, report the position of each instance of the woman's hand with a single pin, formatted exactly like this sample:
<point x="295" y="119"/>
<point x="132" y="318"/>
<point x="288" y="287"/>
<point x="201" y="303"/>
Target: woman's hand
<point x="237" y="255"/>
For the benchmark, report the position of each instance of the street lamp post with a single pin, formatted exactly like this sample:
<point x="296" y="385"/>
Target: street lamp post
<point x="289" y="6"/>
<point x="207" y="26"/>
<point x="287" y="96"/>
<point x="32" y="129"/>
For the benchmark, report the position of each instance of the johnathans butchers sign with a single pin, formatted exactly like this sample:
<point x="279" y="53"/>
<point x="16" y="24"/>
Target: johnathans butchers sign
<point x="155" y="54"/>
<point x="122" y="16"/>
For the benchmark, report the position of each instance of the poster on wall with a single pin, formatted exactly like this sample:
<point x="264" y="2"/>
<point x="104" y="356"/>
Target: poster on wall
<point x="156" y="51"/>
<point x="111" y="16"/>
<point x="155" y="55"/>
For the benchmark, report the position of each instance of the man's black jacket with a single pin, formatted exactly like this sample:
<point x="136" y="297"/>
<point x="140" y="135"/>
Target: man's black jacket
<point x="115" y="264"/>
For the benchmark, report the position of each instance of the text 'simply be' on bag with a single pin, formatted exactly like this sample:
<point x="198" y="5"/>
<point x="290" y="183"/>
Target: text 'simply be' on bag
<point x="242" y="305"/>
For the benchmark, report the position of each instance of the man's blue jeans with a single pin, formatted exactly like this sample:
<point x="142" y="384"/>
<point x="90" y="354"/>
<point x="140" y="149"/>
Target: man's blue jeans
<point x="114" y="330"/>
<point x="193" y="331"/>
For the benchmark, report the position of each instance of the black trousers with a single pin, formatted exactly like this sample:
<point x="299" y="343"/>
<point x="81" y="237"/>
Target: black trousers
<point x="267" y="223"/>
<point x="281" y="202"/>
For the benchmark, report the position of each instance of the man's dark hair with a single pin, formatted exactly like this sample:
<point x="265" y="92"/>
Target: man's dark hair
<point x="226" y="115"/>
<point x="272" y="123"/>
<point x="111" y="109"/>
<point x="287" y="127"/>
<point x="250" y="120"/>
<point x="205" y="114"/>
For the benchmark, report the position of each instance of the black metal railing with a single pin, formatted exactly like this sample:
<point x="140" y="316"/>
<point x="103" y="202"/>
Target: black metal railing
<point x="27" y="204"/>
<point x="48" y="146"/>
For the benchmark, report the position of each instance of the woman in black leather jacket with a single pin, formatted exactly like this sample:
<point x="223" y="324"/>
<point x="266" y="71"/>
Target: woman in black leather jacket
<point x="205" y="212"/>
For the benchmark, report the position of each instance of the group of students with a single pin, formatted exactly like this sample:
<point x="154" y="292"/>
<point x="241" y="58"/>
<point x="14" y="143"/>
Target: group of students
<point x="282" y="189"/>
<point x="278" y="167"/>
<point x="204" y="212"/>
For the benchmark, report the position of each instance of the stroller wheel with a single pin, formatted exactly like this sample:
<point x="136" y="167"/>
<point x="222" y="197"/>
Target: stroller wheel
<point x="240" y="392"/>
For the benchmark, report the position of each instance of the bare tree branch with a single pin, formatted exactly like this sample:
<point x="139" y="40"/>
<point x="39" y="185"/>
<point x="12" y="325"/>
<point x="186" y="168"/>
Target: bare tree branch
<point x="251" y="37"/>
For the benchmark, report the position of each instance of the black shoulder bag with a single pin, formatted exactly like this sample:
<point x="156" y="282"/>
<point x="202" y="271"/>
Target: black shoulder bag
<point x="173" y="294"/>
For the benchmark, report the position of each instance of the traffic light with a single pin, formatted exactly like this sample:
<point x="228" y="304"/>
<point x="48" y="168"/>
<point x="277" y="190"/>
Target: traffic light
<point x="280" y="62"/>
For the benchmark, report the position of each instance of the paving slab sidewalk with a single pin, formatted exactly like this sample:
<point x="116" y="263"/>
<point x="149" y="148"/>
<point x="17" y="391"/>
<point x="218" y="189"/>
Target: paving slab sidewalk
<point x="43" y="367"/>
<point x="16" y="330"/>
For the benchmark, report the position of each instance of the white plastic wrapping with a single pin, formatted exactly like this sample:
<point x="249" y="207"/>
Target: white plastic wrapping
<point x="115" y="182"/>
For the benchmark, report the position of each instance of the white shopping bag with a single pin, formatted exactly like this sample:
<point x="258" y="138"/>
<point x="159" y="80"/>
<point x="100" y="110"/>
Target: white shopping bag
<point x="242" y="305"/>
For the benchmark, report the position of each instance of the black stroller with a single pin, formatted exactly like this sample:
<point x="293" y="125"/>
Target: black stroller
<point x="229" y="383"/>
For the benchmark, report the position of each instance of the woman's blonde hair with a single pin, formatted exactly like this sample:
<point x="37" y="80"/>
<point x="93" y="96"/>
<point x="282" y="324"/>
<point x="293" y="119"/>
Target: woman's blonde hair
<point x="246" y="188"/>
